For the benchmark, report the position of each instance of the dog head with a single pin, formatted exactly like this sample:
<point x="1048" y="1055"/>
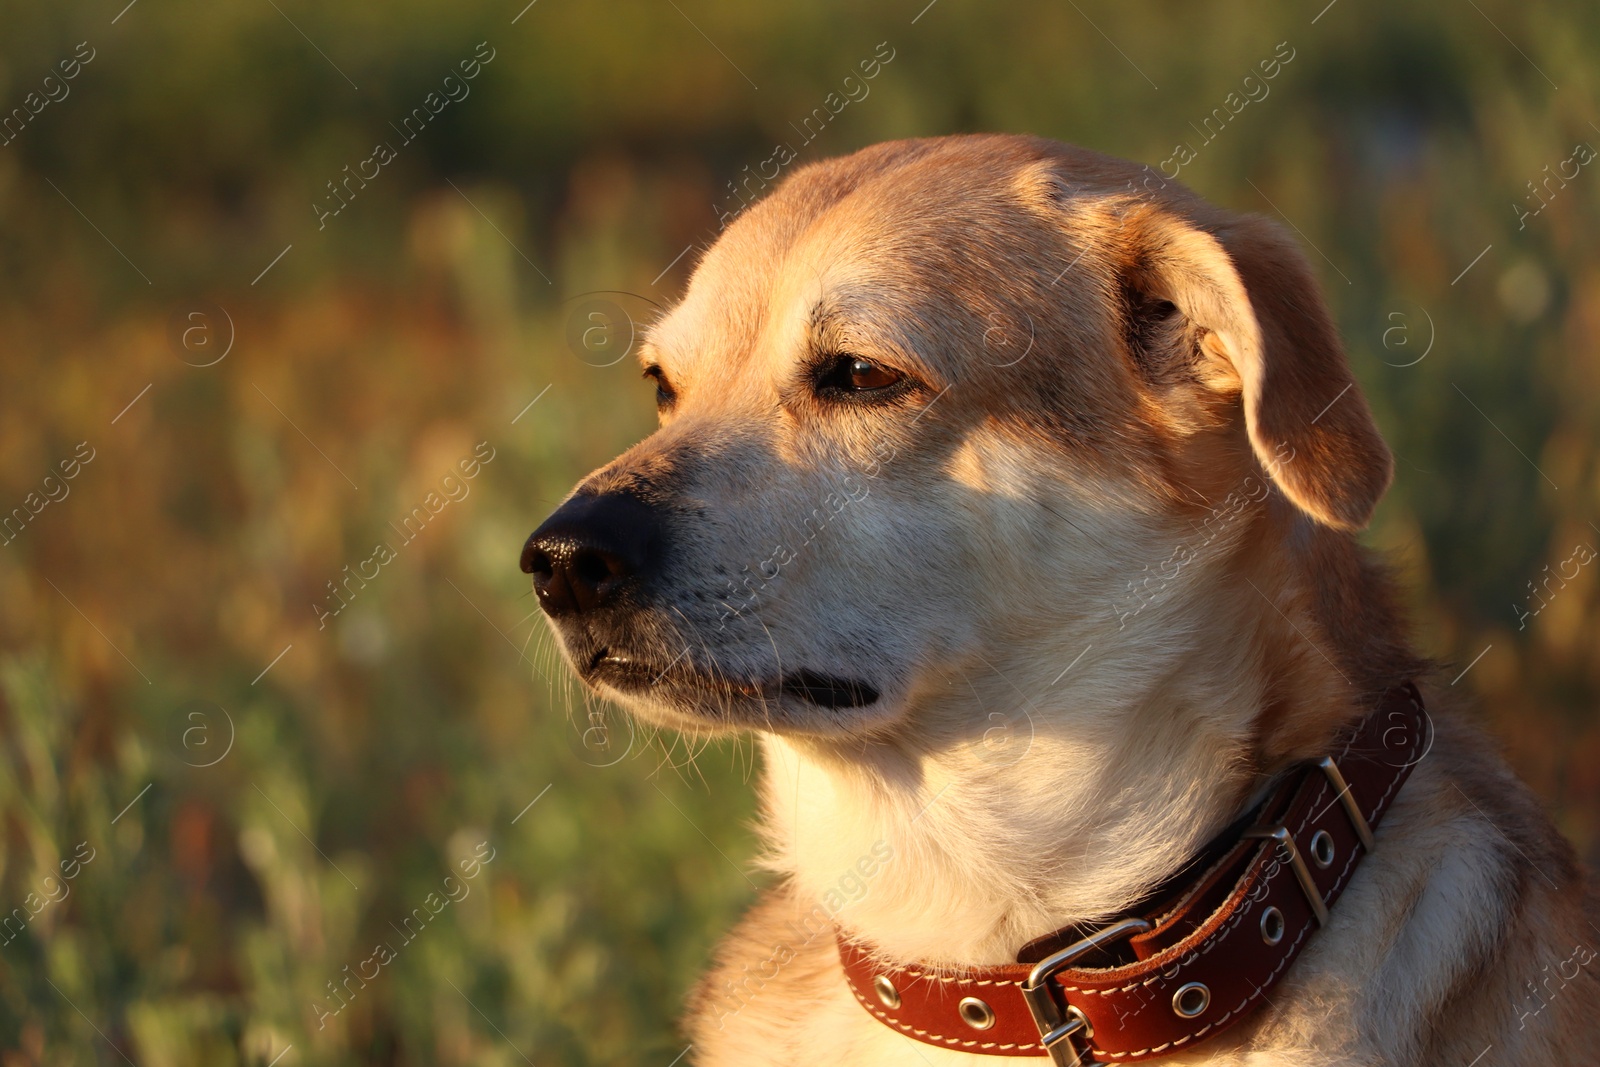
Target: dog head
<point x="950" y="405"/>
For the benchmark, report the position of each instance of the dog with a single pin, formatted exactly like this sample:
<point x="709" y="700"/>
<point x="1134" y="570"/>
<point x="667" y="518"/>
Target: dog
<point x="1008" y="493"/>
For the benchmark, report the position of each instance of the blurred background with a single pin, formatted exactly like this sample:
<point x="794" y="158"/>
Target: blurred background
<point x="271" y="684"/>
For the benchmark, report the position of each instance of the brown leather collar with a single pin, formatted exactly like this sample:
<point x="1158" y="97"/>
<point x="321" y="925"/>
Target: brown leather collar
<point x="1195" y="957"/>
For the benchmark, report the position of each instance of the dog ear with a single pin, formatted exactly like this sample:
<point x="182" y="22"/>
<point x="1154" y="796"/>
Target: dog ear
<point x="1255" y="324"/>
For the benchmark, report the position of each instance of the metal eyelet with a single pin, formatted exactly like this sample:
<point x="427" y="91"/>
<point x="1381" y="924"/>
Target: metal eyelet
<point x="1272" y="925"/>
<point x="886" y="991"/>
<point x="1322" y="849"/>
<point x="1191" y="999"/>
<point x="975" y="1013"/>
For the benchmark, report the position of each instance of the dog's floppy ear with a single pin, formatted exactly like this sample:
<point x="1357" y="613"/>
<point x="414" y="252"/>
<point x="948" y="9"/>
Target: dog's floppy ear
<point x="1257" y="325"/>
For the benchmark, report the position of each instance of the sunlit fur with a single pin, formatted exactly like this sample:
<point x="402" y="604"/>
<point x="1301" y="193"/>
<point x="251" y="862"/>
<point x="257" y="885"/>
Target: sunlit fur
<point x="1106" y="376"/>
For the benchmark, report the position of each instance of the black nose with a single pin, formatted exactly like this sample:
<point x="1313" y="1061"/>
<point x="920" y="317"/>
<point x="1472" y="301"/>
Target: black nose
<point x="590" y="551"/>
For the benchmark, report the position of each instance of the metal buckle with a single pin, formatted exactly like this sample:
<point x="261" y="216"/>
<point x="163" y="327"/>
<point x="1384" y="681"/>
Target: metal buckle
<point x="1065" y="1032"/>
<point x="1297" y="863"/>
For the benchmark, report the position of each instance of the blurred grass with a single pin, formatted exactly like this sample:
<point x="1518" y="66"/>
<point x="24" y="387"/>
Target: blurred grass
<point x="377" y="753"/>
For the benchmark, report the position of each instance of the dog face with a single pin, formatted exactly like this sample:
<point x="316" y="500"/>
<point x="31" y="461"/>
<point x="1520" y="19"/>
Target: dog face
<point x="934" y="408"/>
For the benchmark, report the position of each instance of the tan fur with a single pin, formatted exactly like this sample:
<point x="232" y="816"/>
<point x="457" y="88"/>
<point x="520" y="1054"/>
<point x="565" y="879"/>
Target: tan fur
<point x="1111" y="376"/>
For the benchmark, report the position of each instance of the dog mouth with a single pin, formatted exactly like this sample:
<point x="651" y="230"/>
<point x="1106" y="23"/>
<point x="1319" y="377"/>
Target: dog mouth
<point x="622" y="671"/>
<point x="826" y="691"/>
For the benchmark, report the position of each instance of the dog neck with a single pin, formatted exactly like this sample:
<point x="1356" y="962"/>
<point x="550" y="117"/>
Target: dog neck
<point x="938" y="847"/>
<point x="946" y="859"/>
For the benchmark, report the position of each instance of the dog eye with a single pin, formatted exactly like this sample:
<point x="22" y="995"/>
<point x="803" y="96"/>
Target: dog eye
<point x="665" y="396"/>
<point x="852" y="374"/>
